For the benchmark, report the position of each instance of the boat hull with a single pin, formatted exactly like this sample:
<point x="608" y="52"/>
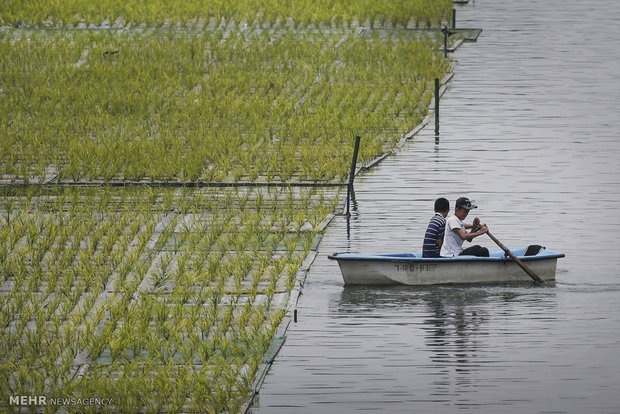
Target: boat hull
<point x="410" y="269"/>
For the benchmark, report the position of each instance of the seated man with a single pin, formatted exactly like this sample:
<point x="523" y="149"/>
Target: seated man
<point x="455" y="232"/>
<point x="433" y="239"/>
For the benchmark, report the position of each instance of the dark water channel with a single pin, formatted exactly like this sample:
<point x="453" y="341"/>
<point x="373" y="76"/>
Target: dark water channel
<point x="530" y="129"/>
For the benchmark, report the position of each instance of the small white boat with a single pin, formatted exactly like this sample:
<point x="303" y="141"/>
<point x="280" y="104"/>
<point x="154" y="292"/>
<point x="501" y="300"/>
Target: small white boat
<point x="413" y="269"/>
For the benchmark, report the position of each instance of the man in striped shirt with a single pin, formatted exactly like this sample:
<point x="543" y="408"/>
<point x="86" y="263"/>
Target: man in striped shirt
<point x="433" y="239"/>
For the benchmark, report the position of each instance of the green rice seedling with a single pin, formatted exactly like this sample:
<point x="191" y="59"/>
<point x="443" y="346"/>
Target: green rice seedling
<point x="291" y="245"/>
<point x="291" y="271"/>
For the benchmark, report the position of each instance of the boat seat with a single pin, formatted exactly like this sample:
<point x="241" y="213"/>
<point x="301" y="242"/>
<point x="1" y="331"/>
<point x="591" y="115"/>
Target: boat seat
<point x="532" y="250"/>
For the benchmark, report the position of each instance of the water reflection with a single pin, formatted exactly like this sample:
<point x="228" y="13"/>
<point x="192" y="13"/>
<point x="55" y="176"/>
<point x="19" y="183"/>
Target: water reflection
<point x="351" y="209"/>
<point x="452" y="327"/>
<point x="456" y="327"/>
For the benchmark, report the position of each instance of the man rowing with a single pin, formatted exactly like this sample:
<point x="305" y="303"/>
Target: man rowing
<point x="455" y="233"/>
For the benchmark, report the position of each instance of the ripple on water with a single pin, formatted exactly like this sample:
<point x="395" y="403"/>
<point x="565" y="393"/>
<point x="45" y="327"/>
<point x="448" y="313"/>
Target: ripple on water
<point x="529" y="129"/>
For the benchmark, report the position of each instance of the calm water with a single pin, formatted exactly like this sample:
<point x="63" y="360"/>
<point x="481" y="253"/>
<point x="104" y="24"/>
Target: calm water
<point x="530" y="130"/>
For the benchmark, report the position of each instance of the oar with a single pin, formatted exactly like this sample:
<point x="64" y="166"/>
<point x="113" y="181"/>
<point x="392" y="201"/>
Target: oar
<point x="515" y="258"/>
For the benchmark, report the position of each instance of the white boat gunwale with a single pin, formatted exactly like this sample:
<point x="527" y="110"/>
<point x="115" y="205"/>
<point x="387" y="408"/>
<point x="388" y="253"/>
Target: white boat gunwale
<point x="496" y="255"/>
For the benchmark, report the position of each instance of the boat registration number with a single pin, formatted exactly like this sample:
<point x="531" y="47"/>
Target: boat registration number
<point x="415" y="267"/>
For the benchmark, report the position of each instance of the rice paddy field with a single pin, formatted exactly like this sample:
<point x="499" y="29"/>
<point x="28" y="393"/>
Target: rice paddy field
<point x="120" y="278"/>
<point x="154" y="299"/>
<point x="37" y="12"/>
<point x="218" y="106"/>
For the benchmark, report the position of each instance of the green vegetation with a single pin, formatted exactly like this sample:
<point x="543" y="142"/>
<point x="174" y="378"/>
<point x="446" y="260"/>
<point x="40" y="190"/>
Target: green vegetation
<point x="167" y="299"/>
<point x="104" y="106"/>
<point x="153" y="291"/>
<point x="422" y="12"/>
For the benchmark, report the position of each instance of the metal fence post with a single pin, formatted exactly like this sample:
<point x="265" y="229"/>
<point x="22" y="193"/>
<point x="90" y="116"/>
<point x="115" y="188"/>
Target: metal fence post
<point x="436" y="106"/>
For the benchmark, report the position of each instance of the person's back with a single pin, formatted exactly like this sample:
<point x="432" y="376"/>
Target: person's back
<point x="433" y="238"/>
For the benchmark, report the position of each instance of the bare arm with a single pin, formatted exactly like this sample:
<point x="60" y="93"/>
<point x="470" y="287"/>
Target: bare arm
<point x="475" y="225"/>
<point x="472" y="235"/>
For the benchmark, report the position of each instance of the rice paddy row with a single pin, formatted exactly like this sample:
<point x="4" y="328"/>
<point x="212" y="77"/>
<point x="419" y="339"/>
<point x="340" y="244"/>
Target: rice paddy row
<point x="116" y="107"/>
<point x="16" y="12"/>
<point x="157" y="300"/>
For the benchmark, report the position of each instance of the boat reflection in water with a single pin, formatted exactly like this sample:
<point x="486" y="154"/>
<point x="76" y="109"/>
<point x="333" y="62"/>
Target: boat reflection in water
<point x="436" y="344"/>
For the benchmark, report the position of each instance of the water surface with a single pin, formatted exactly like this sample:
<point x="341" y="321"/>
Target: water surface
<point x="530" y="130"/>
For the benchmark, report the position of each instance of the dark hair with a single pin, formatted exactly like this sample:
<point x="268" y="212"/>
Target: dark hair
<point x="442" y="204"/>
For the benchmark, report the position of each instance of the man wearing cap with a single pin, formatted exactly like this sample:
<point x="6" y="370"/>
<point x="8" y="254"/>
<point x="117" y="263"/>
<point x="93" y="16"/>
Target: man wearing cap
<point x="455" y="232"/>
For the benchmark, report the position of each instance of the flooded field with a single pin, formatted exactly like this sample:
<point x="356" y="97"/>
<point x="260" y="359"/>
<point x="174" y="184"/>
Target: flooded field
<point x="529" y="130"/>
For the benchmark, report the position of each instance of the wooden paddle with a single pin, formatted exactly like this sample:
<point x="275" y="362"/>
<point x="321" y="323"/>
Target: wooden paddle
<point x="515" y="258"/>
